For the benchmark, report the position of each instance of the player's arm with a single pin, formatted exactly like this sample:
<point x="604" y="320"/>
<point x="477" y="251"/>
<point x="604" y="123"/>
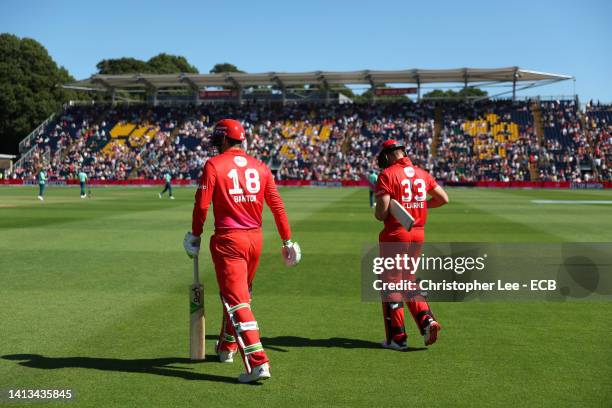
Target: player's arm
<point x="438" y="197"/>
<point x="382" y="206"/>
<point x="291" y="250"/>
<point x="203" y="197"/>
<point x="275" y="202"/>
<point x="383" y="196"/>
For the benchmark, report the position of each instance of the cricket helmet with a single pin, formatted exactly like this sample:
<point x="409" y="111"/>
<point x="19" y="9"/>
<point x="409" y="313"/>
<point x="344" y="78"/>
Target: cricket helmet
<point x="230" y="128"/>
<point x="388" y="146"/>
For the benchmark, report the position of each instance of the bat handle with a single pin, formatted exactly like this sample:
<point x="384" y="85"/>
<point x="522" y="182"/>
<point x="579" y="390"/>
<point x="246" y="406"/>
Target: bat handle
<point x="196" y="270"/>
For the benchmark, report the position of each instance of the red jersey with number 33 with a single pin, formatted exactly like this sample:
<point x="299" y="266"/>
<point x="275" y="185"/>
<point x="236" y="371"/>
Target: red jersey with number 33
<point x="408" y="185"/>
<point x="237" y="185"/>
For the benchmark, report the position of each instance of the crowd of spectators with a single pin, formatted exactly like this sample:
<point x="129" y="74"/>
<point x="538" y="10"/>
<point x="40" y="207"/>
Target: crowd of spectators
<point x="598" y="132"/>
<point x="337" y="141"/>
<point x="462" y="156"/>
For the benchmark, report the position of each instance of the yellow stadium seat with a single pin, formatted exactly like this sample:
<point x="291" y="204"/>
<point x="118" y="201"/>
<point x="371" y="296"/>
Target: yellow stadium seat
<point x="139" y="132"/>
<point x="122" y="129"/>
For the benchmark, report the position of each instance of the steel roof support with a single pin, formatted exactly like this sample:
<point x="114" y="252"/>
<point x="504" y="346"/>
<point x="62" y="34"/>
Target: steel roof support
<point x="195" y="89"/>
<point x="229" y="78"/>
<point x="282" y="87"/>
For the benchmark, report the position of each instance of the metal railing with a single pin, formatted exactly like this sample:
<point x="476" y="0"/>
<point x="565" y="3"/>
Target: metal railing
<point x="46" y="156"/>
<point x="552" y="98"/>
<point x="35" y="132"/>
<point x="25" y="157"/>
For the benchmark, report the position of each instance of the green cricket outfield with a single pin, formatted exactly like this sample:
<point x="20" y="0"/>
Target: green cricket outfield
<point x="94" y="297"/>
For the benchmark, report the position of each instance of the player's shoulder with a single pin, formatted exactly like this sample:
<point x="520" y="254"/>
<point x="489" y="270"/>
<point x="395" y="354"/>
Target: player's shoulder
<point x="255" y="162"/>
<point x="252" y="159"/>
<point x="394" y="170"/>
<point x="212" y="162"/>
<point x="387" y="172"/>
<point x="421" y="173"/>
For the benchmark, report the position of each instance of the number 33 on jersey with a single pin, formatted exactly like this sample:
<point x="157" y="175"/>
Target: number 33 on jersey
<point x="408" y="185"/>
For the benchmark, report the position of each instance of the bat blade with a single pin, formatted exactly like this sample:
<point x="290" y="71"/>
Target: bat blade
<point x="401" y="215"/>
<point x="197" y="323"/>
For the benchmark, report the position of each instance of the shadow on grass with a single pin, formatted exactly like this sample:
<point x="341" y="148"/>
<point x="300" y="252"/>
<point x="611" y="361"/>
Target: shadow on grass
<point x="155" y="366"/>
<point x="276" y="343"/>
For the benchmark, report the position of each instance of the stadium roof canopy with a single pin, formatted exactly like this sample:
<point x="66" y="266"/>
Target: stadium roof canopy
<point x="465" y="76"/>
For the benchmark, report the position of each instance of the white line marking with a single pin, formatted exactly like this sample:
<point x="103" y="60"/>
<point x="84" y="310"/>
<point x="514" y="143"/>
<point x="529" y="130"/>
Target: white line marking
<point x="579" y="202"/>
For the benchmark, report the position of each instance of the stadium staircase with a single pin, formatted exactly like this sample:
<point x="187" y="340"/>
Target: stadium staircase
<point x="536" y="111"/>
<point x="534" y="174"/>
<point x="584" y="123"/>
<point x="437" y="130"/>
<point x="347" y="142"/>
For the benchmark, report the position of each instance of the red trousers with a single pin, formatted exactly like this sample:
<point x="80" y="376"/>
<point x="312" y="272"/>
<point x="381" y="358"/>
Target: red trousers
<point x="235" y="254"/>
<point x="392" y="243"/>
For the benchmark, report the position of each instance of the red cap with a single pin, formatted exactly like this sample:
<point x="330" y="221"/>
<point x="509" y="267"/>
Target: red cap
<point x="389" y="143"/>
<point x="229" y="128"/>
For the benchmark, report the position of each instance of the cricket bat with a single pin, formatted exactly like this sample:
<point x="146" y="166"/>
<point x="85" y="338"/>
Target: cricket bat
<point x="401" y="214"/>
<point x="197" y="324"/>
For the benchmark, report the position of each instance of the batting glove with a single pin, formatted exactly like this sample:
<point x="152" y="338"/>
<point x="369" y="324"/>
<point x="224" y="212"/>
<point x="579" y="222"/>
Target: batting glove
<point x="191" y="243"/>
<point x="291" y="253"/>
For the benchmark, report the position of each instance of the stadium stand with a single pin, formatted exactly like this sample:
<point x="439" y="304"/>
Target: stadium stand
<point x="482" y="141"/>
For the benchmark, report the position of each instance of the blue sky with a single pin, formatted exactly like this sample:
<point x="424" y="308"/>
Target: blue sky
<point x="567" y="37"/>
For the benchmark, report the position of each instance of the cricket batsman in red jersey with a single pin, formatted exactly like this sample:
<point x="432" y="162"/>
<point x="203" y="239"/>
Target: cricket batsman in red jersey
<point x="237" y="185"/>
<point x="409" y="185"/>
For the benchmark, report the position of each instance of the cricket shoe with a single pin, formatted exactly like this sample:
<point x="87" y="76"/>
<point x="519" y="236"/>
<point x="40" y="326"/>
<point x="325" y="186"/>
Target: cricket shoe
<point x="41" y="198"/>
<point x="397" y="346"/>
<point x="159" y="194"/>
<point x="431" y="332"/>
<point x="226" y="356"/>
<point x="260" y="372"/>
<point x="172" y="197"/>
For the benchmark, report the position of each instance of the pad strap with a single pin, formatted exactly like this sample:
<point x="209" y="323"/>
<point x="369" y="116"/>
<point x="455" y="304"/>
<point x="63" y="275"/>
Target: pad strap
<point x="253" y="348"/>
<point x="238" y="307"/>
<point x="244" y="326"/>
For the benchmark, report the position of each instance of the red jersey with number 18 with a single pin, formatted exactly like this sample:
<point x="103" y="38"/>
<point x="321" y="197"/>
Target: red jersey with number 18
<point x="408" y="185"/>
<point x="237" y="185"/>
